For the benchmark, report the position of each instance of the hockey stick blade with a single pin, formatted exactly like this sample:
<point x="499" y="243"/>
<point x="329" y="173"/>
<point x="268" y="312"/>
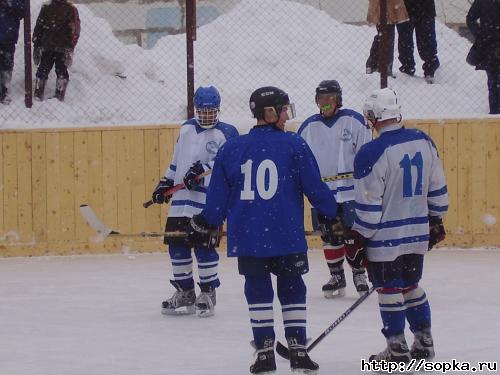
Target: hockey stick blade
<point x="93" y="221"/>
<point x="283" y="351"/>
<point x="340" y="176"/>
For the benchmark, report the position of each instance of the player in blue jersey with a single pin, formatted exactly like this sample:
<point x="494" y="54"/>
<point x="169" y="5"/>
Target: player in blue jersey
<point x="194" y="154"/>
<point x="258" y="183"/>
<point x="401" y="195"/>
<point x="334" y="136"/>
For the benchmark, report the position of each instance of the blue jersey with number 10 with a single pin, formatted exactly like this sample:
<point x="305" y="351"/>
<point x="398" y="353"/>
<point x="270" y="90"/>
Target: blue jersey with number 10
<point x="258" y="182"/>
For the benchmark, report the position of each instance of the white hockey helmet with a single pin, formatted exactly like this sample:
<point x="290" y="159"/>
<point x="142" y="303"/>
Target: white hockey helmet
<point x="382" y="104"/>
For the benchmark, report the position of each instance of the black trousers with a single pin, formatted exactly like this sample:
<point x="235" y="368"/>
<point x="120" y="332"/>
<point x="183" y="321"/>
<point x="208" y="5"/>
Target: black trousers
<point x="376" y="49"/>
<point x="7" y="57"/>
<point x="494" y="90"/>
<point x="47" y="61"/>
<point x="425" y="32"/>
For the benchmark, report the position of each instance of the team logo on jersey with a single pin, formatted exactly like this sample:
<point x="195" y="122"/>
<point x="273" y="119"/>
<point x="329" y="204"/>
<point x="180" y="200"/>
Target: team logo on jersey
<point x="212" y="147"/>
<point x="346" y="135"/>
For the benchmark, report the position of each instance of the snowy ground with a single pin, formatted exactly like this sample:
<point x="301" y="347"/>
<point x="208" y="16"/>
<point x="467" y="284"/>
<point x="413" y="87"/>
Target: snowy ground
<point x="258" y="43"/>
<point x="99" y="315"/>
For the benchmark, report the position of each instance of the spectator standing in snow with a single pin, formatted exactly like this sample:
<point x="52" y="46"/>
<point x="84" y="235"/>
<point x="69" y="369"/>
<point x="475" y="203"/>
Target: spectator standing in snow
<point x="55" y="36"/>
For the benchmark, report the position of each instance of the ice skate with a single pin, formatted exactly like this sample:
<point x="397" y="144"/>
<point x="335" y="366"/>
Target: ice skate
<point x="181" y="303"/>
<point x="423" y="346"/>
<point x="396" y="351"/>
<point x="206" y="300"/>
<point x="335" y="287"/>
<point x="265" y="363"/>
<point x="360" y="281"/>
<point x="301" y="363"/>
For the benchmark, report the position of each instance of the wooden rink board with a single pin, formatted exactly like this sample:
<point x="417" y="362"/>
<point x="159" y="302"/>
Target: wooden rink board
<point x="46" y="174"/>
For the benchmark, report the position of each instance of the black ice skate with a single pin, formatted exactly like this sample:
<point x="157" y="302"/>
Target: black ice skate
<point x="423" y="346"/>
<point x="360" y="281"/>
<point x="301" y="363"/>
<point x="182" y="302"/>
<point x="265" y="363"/>
<point x="396" y="351"/>
<point x="335" y="287"/>
<point x="206" y="300"/>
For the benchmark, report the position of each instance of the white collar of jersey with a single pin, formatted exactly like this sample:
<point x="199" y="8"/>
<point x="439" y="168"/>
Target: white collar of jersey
<point x="388" y="128"/>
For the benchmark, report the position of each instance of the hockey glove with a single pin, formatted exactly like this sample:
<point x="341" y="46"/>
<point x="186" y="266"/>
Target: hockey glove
<point x="158" y="195"/>
<point x="191" y="179"/>
<point x="200" y="233"/>
<point x="436" y="231"/>
<point x="37" y="55"/>
<point x="355" y="249"/>
<point x="332" y="230"/>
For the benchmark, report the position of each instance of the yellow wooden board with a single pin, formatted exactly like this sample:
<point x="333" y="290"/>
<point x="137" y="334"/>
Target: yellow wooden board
<point x="10" y="189"/>
<point x="54" y="192"/>
<point x="25" y="199"/>
<point x="67" y="186"/>
<point x="39" y="186"/>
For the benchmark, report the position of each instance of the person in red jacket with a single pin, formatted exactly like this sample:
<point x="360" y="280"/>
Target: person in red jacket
<point x="55" y="36"/>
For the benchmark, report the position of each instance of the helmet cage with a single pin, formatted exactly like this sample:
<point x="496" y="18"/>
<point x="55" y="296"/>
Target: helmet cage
<point x="207" y="117"/>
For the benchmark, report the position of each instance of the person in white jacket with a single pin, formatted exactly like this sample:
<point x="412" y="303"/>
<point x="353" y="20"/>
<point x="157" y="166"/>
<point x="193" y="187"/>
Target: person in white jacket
<point x="334" y="136"/>
<point x="197" y="145"/>
<point x="401" y="196"/>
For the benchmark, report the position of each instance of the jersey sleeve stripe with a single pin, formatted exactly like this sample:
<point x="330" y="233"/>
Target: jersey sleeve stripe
<point x="438" y="208"/>
<point x="188" y="203"/>
<point x="438" y="192"/>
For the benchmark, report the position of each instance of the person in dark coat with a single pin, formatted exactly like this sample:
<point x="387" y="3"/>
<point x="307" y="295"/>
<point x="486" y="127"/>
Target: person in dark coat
<point x="422" y="15"/>
<point x="483" y="20"/>
<point x="11" y="12"/>
<point x="396" y="13"/>
<point x="55" y="36"/>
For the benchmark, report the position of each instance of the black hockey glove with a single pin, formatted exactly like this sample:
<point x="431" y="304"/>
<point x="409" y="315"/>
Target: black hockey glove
<point x="355" y="249"/>
<point x="158" y="195"/>
<point x="200" y="233"/>
<point x="191" y="179"/>
<point x="436" y="231"/>
<point x="332" y="230"/>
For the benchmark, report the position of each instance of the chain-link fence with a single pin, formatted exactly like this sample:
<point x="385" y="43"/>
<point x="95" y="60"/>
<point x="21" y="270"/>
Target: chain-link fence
<point x="129" y="65"/>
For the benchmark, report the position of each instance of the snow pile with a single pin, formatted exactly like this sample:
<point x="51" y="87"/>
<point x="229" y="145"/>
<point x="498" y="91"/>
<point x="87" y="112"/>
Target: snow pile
<point x="259" y="42"/>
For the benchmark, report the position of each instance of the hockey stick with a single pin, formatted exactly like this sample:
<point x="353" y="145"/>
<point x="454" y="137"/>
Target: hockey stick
<point x="283" y="351"/>
<point x="340" y="176"/>
<point x="180" y="186"/>
<point x="104" y="232"/>
<point x="176" y="188"/>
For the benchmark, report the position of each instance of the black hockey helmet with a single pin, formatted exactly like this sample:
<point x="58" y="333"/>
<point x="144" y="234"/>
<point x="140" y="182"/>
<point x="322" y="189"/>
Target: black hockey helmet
<point x="267" y="96"/>
<point x="330" y="87"/>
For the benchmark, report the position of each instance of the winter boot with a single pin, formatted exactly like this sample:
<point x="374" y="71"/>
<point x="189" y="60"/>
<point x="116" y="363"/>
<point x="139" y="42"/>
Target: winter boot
<point x="206" y="300"/>
<point x="182" y="302"/>
<point x="407" y="70"/>
<point x="300" y="362"/>
<point x="265" y="363"/>
<point x="61" y="84"/>
<point x="5" y="79"/>
<point x="39" y="89"/>
<point x="335" y="287"/>
<point x="360" y="281"/>
<point x="396" y="351"/>
<point x="423" y="346"/>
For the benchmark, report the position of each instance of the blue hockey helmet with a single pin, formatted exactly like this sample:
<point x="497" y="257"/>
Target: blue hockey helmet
<point x="207" y="106"/>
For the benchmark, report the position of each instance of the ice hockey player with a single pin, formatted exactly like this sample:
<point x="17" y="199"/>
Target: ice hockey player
<point x="197" y="145"/>
<point x="401" y="195"/>
<point x="55" y="36"/>
<point x="334" y="136"/>
<point x="258" y="183"/>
